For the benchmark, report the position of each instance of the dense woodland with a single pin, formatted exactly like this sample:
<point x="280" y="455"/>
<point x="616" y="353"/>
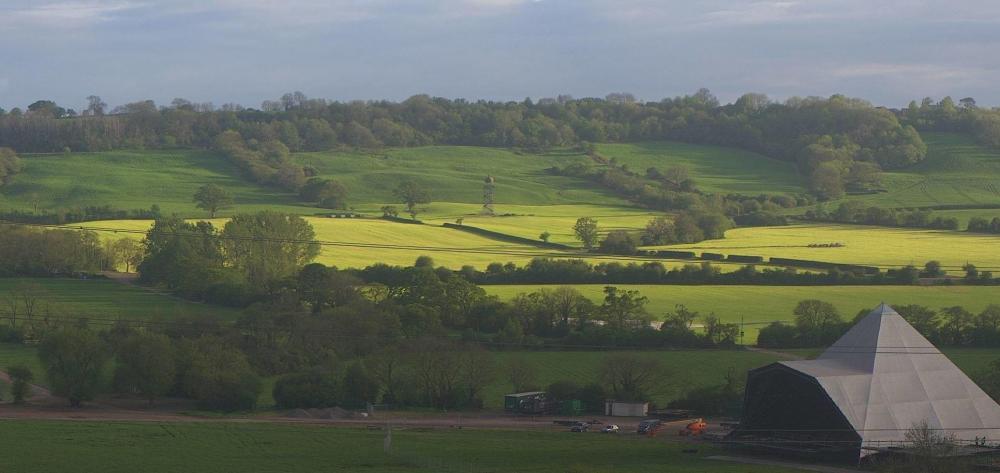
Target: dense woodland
<point x="838" y="143"/>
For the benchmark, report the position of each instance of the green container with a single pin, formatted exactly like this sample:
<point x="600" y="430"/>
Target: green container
<point x="570" y="408"/>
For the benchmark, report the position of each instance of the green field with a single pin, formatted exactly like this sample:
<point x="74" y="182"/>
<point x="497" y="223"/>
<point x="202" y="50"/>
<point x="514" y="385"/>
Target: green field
<point x="449" y="247"/>
<point x="759" y="305"/>
<point x="263" y="448"/>
<point x="105" y="299"/>
<point x="456" y="174"/>
<point x="684" y="369"/>
<point x="713" y="168"/>
<point x="957" y="170"/>
<point x="886" y="247"/>
<point x="133" y="180"/>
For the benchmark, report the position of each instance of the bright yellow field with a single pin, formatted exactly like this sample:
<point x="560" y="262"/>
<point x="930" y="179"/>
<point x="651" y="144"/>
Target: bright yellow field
<point x="868" y="245"/>
<point x="449" y="247"/>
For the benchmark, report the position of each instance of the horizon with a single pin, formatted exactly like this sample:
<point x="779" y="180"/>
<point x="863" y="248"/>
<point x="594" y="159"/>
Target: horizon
<point x="504" y="50"/>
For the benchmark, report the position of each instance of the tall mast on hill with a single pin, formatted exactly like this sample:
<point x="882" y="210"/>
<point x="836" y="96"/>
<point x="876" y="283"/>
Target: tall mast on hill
<point x="489" y="188"/>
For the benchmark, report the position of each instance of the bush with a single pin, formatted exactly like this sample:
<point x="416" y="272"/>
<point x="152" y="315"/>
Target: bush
<point x="777" y="335"/>
<point x="20" y="379"/>
<point x="306" y="390"/>
<point x="713" y="256"/>
<point x="618" y="242"/>
<point x="221" y="378"/>
<point x="745" y="259"/>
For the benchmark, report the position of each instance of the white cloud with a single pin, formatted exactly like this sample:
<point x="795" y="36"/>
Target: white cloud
<point x="68" y="14"/>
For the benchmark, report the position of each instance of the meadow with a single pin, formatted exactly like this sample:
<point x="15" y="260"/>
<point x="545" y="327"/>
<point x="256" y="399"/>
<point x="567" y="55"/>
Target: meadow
<point x="112" y="447"/>
<point x="713" y="168"/>
<point x="134" y="180"/>
<point x="885" y="247"/>
<point x="105" y="299"/>
<point x="957" y="170"/>
<point x="448" y="247"/>
<point x="757" y="306"/>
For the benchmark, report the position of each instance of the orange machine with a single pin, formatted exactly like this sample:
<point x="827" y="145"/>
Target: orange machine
<point x="695" y="428"/>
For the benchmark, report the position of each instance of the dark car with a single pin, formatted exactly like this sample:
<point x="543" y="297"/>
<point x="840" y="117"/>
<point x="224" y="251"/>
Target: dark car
<point x="648" y="426"/>
<point x="580" y="427"/>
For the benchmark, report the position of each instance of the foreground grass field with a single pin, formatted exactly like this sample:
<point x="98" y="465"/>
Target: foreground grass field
<point x="868" y="245"/>
<point x="45" y="446"/>
<point x="759" y="305"/>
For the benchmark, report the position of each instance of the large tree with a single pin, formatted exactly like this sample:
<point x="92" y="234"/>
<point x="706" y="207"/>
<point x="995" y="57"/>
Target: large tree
<point x="73" y="359"/>
<point x="268" y="246"/>
<point x="632" y="377"/>
<point x="212" y="198"/>
<point x="412" y="194"/>
<point x="586" y="231"/>
<point x="145" y="365"/>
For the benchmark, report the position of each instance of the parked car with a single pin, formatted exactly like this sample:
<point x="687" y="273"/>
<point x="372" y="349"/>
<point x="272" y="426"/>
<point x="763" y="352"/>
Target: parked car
<point x="649" y="426"/>
<point x="580" y="427"/>
<point x="611" y="429"/>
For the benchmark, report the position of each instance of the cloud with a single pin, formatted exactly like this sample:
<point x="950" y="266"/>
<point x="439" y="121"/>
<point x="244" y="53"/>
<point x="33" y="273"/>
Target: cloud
<point x="61" y="15"/>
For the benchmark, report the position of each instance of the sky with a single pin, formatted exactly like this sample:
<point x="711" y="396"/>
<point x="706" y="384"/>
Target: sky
<point x="247" y="51"/>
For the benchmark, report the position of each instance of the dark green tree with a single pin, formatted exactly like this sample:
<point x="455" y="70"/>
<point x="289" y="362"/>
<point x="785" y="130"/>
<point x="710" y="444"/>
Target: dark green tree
<point x="74" y="360"/>
<point x="212" y="198"/>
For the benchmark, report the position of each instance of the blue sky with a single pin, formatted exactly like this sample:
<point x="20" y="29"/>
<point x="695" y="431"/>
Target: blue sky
<point x="246" y="51"/>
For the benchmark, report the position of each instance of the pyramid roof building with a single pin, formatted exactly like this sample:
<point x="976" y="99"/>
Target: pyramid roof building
<point x="878" y="381"/>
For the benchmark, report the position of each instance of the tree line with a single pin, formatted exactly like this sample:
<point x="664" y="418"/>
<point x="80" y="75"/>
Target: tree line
<point x="946" y="115"/>
<point x="819" y="324"/>
<point x="857" y="212"/>
<point x="837" y="142"/>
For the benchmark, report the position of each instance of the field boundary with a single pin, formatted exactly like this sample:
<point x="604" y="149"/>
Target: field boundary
<point x="507" y="237"/>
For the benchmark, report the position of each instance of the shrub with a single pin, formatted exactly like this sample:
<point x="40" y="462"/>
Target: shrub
<point x="713" y="256"/>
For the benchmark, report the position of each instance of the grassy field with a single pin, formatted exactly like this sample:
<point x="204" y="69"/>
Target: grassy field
<point x="713" y="168"/>
<point x="46" y="446"/>
<point x="957" y="170"/>
<point x="104" y="299"/>
<point x="758" y="305"/>
<point x="133" y="180"/>
<point x="684" y="369"/>
<point x="869" y="245"/>
<point x="449" y="247"/>
<point x="456" y="174"/>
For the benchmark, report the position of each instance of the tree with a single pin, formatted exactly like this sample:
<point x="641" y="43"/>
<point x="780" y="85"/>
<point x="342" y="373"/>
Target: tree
<point x="623" y="307"/>
<point x="632" y="377"/>
<point x="817" y="321"/>
<point x="328" y="193"/>
<point x="544" y="236"/>
<point x="659" y="231"/>
<point x="933" y="270"/>
<point x="522" y="374"/>
<point x="360" y="387"/>
<point x="618" y="242"/>
<point x="127" y="251"/>
<point x="20" y="382"/>
<point x="220" y="377"/>
<point x="268" y="246"/>
<point x="145" y="365"/>
<point x="212" y="198"/>
<point x="412" y="195"/>
<point x="312" y="389"/>
<point x="95" y="106"/>
<point x="73" y="359"/>
<point x="389" y="211"/>
<point x="586" y="231"/>
<point x="10" y="165"/>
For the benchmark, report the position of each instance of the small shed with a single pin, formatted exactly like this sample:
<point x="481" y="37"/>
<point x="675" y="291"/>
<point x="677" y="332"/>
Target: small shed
<point x="625" y="409"/>
<point x="532" y="402"/>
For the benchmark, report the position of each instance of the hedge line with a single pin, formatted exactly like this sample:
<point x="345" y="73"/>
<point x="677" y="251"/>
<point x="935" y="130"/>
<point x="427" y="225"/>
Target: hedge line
<point x="507" y="237"/>
<point x="823" y="265"/>
<point x="402" y="220"/>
